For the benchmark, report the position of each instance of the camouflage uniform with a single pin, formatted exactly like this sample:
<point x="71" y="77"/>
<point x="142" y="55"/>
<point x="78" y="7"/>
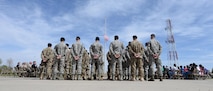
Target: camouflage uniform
<point x="109" y="71"/>
<point x="96" y="52"/>
<point x="23" y="69"/>
<point x="68" y="62"/>
<point x="77" y="51"/>
<point x="47" y="56"/>
<point x="102" y="68"/>
<point x="126" y="64"/>
<point x="146" y="60"/>
<point x="59" y="63"/>
<point x="85" y="65"/>
<point x="18" y="68"/>
<point x="155" y="51"/>
<point x="116" y="48"/>
<point x="136" y="51"/>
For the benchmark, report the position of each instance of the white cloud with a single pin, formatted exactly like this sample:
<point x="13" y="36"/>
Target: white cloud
<point x="135" y="29"/>
<point x="101" y="9"/>
<point x="193" y="32"/>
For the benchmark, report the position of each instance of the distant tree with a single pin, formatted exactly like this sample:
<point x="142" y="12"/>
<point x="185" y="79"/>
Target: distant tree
<point x="10" y="62"/>
<point x="3" y="67"/>
<point x="0" y="61"/>
<point x="0" y="65"/>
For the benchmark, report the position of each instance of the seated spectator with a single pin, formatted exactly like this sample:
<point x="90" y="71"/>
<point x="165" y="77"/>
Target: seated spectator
<point x="206" y="72"/>
<point x="30" y="64"/>
<point x="182" y="70"/>
<point x="165" y="71"/>
<point x="18" y="65"/>
<point x="175" y="69"/>
<point x="171" y="73"/>
<point x="24" y="66"/>
<point x="186" y="72"/>
<point x="34" y="64"/>
<point x="201" y="71"/>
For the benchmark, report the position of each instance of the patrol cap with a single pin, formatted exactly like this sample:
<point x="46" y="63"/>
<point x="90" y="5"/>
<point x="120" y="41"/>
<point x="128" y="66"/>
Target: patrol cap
<point x="67" y="44"/>
<point x="78" y="38"/>
<point x="147" y="43"/>
<point x="97" y="38"/>
<point x="62" y="39"/>
<point x="116" y="37"/>
<point x="153" y="35"/>
<point x="134" y="37"/>
<point x="49" y="44"/>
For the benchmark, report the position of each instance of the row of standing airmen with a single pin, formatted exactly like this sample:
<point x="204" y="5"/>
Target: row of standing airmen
<point x="76" y="63"/>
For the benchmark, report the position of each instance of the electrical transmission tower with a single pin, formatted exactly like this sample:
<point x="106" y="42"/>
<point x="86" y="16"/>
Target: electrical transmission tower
<point x="172" y="55"/>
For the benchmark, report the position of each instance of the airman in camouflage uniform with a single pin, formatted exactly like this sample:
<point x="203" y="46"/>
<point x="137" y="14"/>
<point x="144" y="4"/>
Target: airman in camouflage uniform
<point x="155" y="51"/>
<point x="23" y="69"/>
<point x="85" y="65"/>
<point x="47" y="57"/>
<point x="59" y="63"/>
<point x="136" y="51"/>
<point x="116" y="48"/>
<point x="146" y="60"/>
<point x="96" y="52"/>
<point x="68" y="61"/>
<point x="126" y="64"/>
<point x="109" y="71"/>
<point x="77" y="53"/>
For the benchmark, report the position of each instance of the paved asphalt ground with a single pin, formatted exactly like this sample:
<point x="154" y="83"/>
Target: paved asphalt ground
<point x="34" y="84"/>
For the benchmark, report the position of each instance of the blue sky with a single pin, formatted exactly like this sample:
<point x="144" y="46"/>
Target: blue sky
<point x="27" y="26"/>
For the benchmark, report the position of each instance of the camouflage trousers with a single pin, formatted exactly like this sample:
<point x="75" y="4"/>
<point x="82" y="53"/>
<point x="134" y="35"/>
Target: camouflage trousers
<point x="158" y="64"/>
<point x="109" y="70"/>
<point x="126" y="69"/>
<point x="117" y="61"/>
<point x="137" y="64"/>
<point x="85" y="71"/>
<point x="58" y="68"/>
<point x="76" y="68"/>
<point x="46" y="68"/>
<point x="146" y="68"/>
<point x="96" y="69"/>
<point x="67" y="69"/>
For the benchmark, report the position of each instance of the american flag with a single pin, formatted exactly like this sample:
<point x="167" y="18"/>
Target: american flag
<point x="106" y="38"/>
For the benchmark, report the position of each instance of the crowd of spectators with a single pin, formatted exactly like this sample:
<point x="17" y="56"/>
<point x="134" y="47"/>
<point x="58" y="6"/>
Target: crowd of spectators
<point x="26" y="69"/>
<point x="191" y="71"/>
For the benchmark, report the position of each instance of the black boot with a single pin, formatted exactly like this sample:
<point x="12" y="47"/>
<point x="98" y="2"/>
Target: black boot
<point x="161" y="78"/>
<point x="73" y="77"/>
<point x="79" y="77"/>
<point x="132" y="78"/>
<point x="108" y="77"/>
<point x="152" y="79"/>
<point x="113" y="77"/>
<point x="54" y="77"/>
<point x="61" y="77"/>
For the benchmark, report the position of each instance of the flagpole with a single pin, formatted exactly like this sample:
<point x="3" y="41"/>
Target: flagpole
<point x="104" y="40"/>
